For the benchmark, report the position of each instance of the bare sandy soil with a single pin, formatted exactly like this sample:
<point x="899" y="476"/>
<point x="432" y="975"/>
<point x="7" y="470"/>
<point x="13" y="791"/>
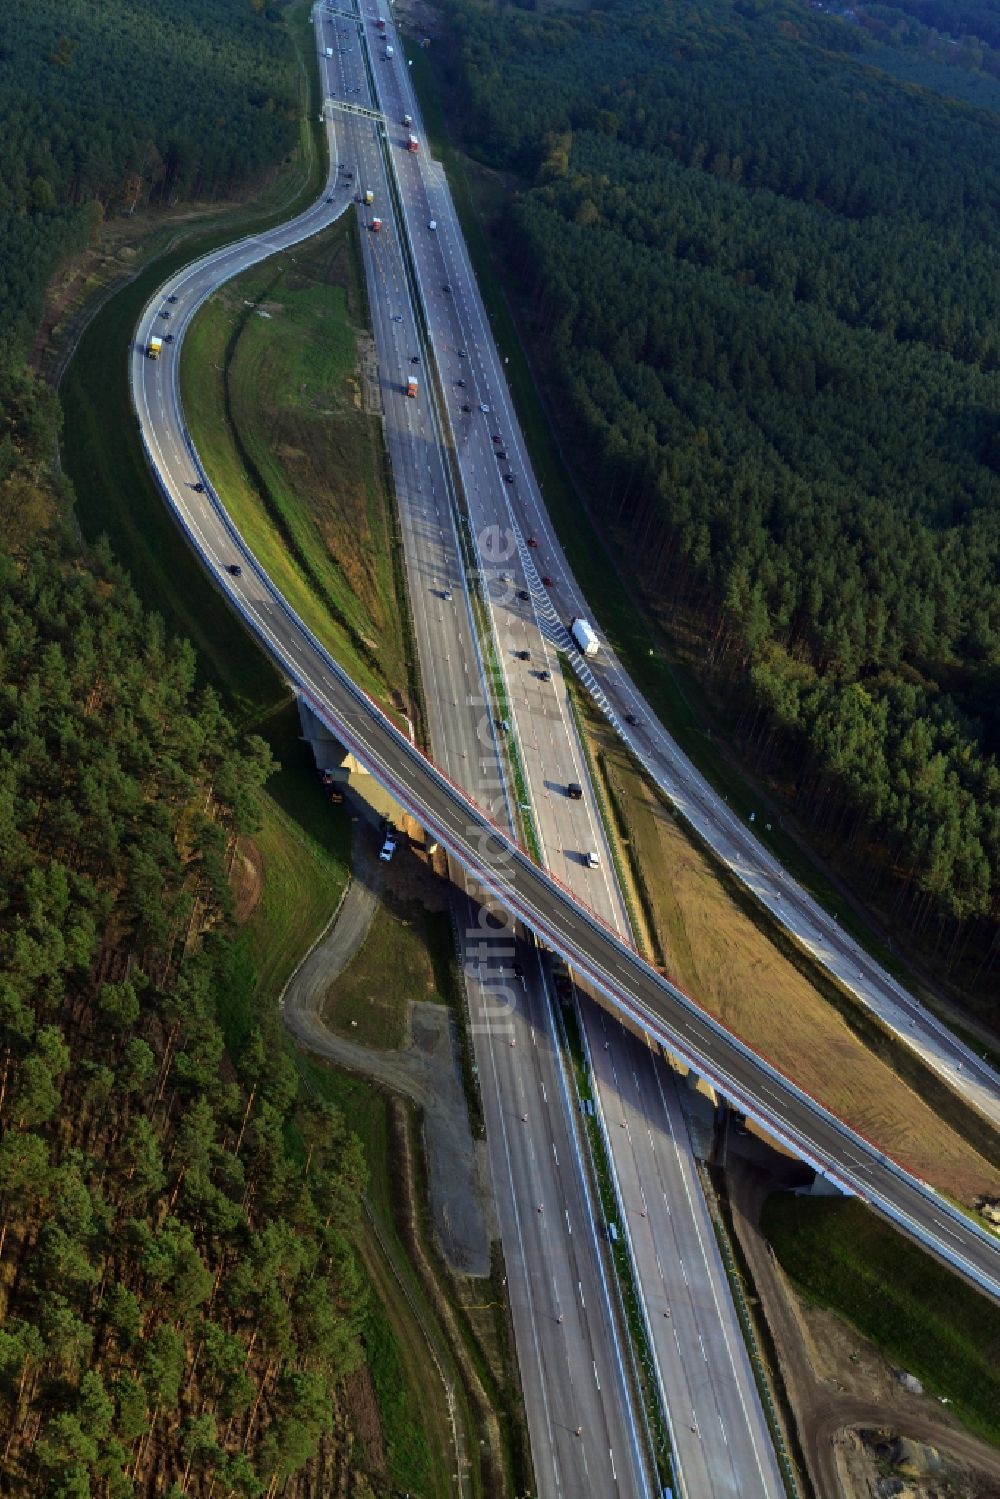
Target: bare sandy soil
<point x="840" y="1386"/>
<point x="246" y="877"/>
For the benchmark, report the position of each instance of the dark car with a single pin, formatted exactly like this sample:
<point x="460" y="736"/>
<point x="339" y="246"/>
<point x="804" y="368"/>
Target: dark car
<point x="329" y="200"/>
<point x="574" y="791"/>
<point x="517" y="970"/>
<point x="199" y="488"/>
<point x="461" y="353"/>
<point x="172" y="298"/>
<point x="235" y="569"/>
<point x="508" y="478"/>
<point x="523" y="595"/>
<point x="533" y="544"/>
<point x="497" y="437"/>
<point x="460" y="384"/>
<point x="414" y="358"/>
<point x="446" y="288"/>
<point x="545" y="676"/>
<point x="546" y="582"/>
<point x="523" y="655"/>
<point x="164" y="313"/>
<point x="501" y="455"/>
<point x="169" y="338"/>
<point x="631" y="718"/>
<point x="466" y="406"/>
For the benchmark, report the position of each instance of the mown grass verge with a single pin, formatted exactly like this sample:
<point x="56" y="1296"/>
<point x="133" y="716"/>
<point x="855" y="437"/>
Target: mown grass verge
<point x="400" y="1401"/>
<point x="723" y="947"/>
<point x="928" y="1320"/>
<point x="370" y="1001"/>
<point x="269" y="376"/>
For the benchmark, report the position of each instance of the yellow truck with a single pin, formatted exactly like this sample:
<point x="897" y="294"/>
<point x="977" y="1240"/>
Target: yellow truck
<point x="155" y="347"/>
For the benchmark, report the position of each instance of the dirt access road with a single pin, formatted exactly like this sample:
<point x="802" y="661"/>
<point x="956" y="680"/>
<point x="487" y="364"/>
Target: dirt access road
<point x="427" y="1069"/>
<point x="837" y="1383"/>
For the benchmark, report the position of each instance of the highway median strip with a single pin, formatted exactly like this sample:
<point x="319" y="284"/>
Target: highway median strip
<point x="642" y="1361"/>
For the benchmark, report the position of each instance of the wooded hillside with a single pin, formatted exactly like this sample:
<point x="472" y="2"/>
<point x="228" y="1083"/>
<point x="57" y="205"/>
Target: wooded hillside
<point x="760" y="276"/>
<point x="179" y="1301"/>
<point x="108" y="106"/>
<point x="178" y="1297"/>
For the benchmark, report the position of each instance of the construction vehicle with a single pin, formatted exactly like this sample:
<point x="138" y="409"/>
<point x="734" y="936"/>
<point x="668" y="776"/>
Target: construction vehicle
<point x="411" y="387"/>
<point x="412" y="144"/>
<point x="584" y="637"/>
<point x="369" y="196"/>
<point x="154" y="348"/>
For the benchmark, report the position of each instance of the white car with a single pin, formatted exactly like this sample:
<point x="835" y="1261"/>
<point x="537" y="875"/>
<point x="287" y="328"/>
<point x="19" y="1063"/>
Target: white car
<point x="484" y="408"/>
<point x="388" y="848"/>
<point x="593" y="862"/>
<point x="433" y="224"/>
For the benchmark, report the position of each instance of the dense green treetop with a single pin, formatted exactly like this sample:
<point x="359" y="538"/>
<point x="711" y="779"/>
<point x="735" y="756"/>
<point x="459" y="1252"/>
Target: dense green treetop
<point x="762" y="272"/>
<point x="105" y="106"/>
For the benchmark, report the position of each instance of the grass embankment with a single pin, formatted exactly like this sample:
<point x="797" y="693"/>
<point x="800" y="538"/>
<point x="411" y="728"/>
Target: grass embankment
<point x="720" y="947"/>
<point x="656" y="663"/>
<point x="399" y="961"/>
<point x="269" y="376"/>
<point x="927" y="1320"/>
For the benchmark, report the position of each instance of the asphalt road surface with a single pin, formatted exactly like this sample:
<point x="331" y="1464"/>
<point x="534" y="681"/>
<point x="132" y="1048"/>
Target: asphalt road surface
<point x="585" y="941"/>
<point x="459" y="319"/>
<point x="504" y="871"/>
<point x="719" y="1437"/>
<point x="720" y="1440"/>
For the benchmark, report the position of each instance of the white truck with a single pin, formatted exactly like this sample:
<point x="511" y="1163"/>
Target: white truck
<point x="328" y="51"/>
<point x="584" y="636"/>
<point x="389" y="52"/>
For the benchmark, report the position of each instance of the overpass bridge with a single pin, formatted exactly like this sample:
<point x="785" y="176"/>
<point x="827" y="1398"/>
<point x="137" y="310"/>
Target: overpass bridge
<point x="505" y="876"/>
<point x="504" y="873"/>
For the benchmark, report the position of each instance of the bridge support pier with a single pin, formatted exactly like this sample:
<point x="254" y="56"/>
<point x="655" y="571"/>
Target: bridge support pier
<point x="339" y="769"/>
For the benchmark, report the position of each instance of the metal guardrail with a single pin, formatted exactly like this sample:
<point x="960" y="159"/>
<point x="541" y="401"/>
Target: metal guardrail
<point x="616" y="992"/>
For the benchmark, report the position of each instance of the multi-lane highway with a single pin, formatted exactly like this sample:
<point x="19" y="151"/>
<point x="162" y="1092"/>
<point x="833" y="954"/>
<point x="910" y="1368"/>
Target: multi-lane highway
<point x="503" y="870"/>
<point x="584" y="1436"/>
<point x="575" y="1463"/>
<point x="718" y="1431"/>
<point x="719" y="1435"/>
<point x="720" y="1441"/>
<point x="556" y="598"/>
<point x="584" y="1433"/>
